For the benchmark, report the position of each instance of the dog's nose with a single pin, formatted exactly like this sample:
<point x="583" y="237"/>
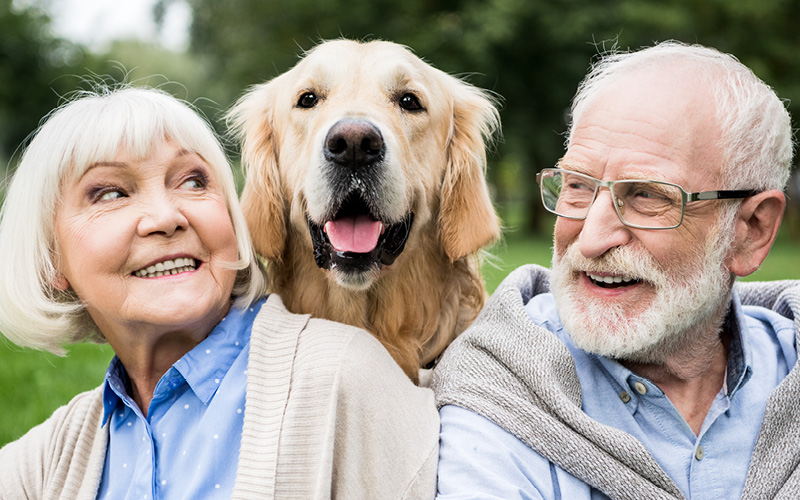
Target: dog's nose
<point x="354" y="143"/>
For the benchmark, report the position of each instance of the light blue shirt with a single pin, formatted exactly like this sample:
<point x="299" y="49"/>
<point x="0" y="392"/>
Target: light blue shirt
<point x="188" y="445"/>
<point x="480" y="460"/>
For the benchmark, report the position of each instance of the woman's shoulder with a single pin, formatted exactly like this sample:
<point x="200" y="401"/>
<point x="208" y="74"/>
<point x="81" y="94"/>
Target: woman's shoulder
<point x="311" y="333"/>
<point x="351" y="354"/>
<point x="80" y="410"/>
<point x="336" y="386"/>
<point x="366" y="374"/>
<point x="68" y="445"/>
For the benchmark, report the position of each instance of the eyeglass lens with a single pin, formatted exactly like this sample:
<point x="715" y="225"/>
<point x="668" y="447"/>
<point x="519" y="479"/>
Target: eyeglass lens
<point x="649" y="204"/>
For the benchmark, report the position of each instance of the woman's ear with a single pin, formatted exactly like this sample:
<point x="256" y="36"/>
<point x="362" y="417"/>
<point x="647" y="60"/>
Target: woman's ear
<point x="262" y="198"/>
<point x="467" y="220"/>
<point x="60" y="282"/>
<point x="757" y="223"/>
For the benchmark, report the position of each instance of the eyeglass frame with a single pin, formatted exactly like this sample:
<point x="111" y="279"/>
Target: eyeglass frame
<point x="686" y="197"/>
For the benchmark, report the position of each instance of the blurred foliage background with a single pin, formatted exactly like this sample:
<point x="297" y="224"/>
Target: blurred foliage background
<point x="533" y="53"/>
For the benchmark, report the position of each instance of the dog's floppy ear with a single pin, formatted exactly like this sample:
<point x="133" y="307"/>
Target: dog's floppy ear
<point x="262" y="199"/>
<point x="467" y="220"/>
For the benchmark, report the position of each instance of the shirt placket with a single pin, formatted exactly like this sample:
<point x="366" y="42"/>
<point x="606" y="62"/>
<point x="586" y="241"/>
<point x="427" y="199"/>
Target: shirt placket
<point x="705" y="462"/>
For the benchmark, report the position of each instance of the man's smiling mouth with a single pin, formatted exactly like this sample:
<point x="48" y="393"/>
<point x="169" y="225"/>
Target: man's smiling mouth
<point x="167" y="267"/>
<point x="612" y="281"/>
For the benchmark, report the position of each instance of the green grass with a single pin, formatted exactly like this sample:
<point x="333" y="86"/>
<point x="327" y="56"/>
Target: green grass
<point x="34" y="384"/>
<point x="512" y="252"/>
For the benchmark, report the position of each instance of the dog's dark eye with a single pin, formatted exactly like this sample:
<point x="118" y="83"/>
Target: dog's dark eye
<point x="307" y="100"/>
<point x="410" y="102"/>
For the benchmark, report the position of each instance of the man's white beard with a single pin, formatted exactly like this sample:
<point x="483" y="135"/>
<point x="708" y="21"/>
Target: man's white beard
<point x="687" y="301"/>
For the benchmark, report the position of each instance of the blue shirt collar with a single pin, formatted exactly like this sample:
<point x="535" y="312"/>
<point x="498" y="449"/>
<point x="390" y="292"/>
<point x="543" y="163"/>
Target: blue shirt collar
<point x="740" y="355"/>
<point x="113" y="387"/>
<point x="202" y="368"/>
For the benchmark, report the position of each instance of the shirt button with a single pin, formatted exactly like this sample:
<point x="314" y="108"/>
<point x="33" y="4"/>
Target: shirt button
<point x="699" y="453"/>
<point x="624" y="396"/>
<point x="640" y="388"/>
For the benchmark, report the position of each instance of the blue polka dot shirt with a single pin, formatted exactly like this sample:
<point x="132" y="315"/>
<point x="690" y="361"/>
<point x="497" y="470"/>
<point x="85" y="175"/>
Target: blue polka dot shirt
<point x="188" y="445"/>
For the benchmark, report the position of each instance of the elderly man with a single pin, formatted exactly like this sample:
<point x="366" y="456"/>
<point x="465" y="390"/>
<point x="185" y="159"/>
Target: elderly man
<point x="635" y="369"/>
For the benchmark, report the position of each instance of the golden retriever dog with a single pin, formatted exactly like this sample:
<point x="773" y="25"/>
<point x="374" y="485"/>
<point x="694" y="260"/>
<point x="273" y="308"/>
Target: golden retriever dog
<point x="365" y="192"/>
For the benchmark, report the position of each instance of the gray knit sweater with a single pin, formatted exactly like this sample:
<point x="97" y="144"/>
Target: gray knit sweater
<point x="523" y="378"/>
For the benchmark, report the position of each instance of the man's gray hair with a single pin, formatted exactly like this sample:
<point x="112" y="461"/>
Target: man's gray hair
<point x="756" y="132"/>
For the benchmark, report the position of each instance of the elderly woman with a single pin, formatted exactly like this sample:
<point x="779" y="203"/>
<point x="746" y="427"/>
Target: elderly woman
<point x="122" y="224"/>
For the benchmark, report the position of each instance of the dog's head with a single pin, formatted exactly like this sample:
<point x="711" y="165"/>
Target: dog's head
<point x="363" y="146"/>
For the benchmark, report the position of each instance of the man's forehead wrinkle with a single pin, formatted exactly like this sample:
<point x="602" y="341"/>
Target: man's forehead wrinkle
<point x="635" y="173"/>
<point x="604" y="125"/>
<point x="600" y="146"/>
<point x="573" y="166"/>
<point x="632" y="172"/>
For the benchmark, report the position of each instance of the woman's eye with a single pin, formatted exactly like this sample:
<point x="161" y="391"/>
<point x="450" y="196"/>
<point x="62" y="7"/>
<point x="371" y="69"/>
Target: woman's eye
<point x="194" y="183"/>
<point x="108" y="194"/>
<point x="307" y="100"/>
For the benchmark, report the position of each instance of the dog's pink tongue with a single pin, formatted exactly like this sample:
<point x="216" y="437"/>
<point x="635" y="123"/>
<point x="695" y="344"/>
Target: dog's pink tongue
<point x="357" y="234"/>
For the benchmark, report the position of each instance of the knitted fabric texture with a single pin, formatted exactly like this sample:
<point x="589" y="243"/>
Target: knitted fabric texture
<point x="328" y="414"/>
<point x="523" y="378"/>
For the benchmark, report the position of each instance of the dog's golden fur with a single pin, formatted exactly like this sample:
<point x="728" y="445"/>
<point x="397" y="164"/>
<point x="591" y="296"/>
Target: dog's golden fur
<point x="435" y="160"/>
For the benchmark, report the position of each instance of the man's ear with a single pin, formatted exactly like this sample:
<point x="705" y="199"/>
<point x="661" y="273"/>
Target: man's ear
<point x="756" y="227"/>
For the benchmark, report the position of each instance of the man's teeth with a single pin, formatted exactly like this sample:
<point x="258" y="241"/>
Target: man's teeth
<point x="610" y="279"/>
<point x="167" y="267"/>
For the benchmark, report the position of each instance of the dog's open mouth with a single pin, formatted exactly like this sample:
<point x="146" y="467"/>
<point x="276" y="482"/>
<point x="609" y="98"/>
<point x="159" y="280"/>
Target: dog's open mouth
<point x="355" y="241"/>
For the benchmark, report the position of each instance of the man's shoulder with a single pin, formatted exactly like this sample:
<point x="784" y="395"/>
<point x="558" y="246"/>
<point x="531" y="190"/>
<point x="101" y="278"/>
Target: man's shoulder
<point x="504" y="353"/>
<point x="782" y="296"/>
<point x="528" y="280"/>
<point x="505" y="309"/>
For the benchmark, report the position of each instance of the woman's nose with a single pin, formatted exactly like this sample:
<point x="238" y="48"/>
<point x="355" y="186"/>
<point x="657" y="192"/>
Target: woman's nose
<point x="602" y="229"/>
<point x="161" y="215"/>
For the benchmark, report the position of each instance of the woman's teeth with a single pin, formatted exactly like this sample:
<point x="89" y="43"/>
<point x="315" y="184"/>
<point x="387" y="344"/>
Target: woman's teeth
<point x="167" y="267"/>
<point x="610" y="279"/>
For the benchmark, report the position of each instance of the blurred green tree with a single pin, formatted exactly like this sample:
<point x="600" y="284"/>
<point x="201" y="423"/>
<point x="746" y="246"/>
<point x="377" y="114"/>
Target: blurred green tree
<point x="531" y="52"/>
<point x="31" y="61"/>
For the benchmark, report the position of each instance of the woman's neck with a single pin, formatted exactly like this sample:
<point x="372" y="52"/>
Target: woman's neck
<point x="148" y="351"/>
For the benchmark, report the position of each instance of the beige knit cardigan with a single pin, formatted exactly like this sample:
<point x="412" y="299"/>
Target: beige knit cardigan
<point x="328" y="415"/>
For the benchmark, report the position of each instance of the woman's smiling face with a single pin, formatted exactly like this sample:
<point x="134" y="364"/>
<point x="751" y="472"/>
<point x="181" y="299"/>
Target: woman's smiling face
<point x="123" y="220"/>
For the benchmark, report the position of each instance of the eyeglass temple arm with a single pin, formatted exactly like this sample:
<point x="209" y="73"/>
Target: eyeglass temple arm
<point x="721" y="195"/>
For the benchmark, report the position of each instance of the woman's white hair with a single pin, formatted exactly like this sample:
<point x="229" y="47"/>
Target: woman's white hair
<point x="91" y="128"/>
<point x="756" y="129"/>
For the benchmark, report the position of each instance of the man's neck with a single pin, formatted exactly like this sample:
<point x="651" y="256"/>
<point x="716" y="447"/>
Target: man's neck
<point x="692" y="377"/>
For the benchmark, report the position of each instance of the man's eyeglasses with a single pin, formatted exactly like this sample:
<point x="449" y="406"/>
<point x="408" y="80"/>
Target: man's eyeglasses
<point x="640" y="204"/>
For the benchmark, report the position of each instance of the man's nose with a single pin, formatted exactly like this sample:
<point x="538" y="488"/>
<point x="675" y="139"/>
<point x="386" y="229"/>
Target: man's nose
<point x="602" y="229"/>
<point x="161" y="214"/>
